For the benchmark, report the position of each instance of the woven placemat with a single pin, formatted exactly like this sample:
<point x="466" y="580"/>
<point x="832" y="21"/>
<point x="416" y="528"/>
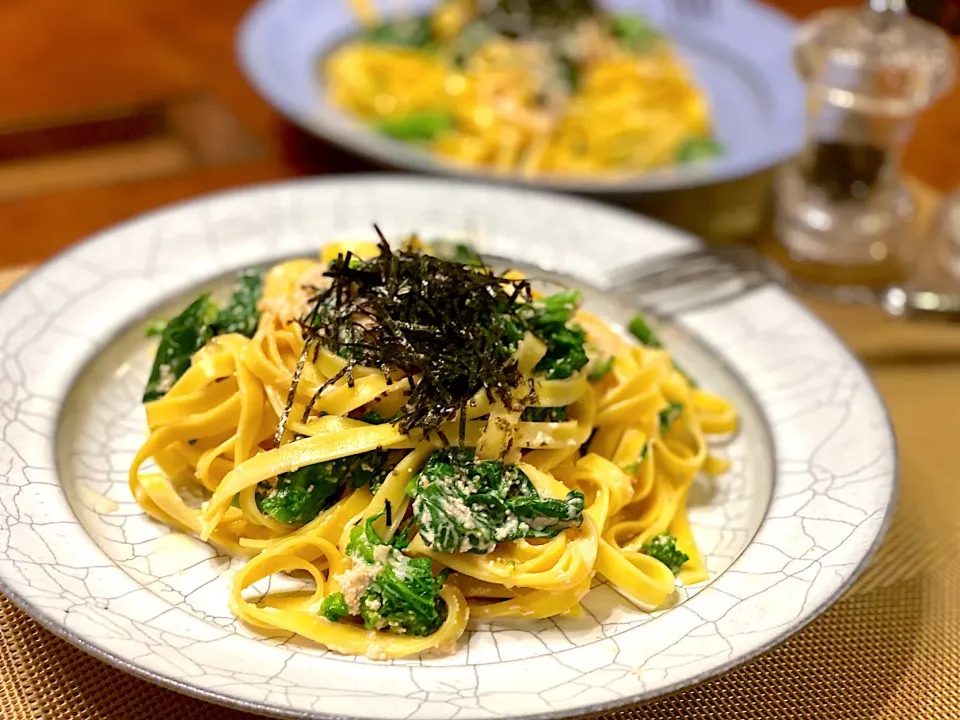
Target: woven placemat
<point x="889" y="649"/>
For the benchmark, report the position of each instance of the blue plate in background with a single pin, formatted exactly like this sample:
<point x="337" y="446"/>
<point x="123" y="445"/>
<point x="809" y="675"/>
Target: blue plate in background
<point x="741" y="54"/>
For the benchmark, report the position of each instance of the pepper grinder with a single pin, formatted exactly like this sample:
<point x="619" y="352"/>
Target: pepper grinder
<point x="843" y="215"/>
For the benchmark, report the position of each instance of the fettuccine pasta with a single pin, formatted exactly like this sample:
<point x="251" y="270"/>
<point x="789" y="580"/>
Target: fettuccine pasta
<point x="482" y="84"/>
<point x="420" y="441"/>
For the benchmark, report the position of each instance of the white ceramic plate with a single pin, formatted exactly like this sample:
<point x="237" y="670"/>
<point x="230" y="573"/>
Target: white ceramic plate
<point x="785" y="532"/>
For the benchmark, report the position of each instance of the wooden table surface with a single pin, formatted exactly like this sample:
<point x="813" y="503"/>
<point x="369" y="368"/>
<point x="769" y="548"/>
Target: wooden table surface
<point x="62" y="61"/>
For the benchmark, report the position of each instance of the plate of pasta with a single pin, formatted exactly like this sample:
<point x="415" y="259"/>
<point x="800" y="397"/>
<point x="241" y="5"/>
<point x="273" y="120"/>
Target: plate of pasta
<point x="379" y="447"/>
<point x="582" y="95"/>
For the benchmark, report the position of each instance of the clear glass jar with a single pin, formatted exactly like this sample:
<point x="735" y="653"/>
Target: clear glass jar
<point x="840" y="203"/>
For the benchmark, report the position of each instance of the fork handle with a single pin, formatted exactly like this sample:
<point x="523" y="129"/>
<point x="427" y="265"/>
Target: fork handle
<point x="902" y="302"/>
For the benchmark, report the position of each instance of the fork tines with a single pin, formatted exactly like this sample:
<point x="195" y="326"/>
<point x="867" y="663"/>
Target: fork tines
<point x="685" y="281"/>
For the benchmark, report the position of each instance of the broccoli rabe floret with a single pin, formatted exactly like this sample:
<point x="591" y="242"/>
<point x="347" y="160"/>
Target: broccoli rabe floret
<point x="549" y="320"/>
<point x="403" y="597"/>
<point x="663" y="547"/>
<point x="334" y="607"/>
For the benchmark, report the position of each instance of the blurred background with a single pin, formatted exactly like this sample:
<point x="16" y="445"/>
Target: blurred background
<point x="112" y="108"/>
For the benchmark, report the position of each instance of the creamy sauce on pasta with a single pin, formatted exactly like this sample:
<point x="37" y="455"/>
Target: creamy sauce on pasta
<point x="579" y="470"/>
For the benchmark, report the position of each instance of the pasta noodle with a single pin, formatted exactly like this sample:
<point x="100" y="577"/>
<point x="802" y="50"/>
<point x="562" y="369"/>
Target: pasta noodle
<point x="601" y="94"/>
<point x="588" y="463"/>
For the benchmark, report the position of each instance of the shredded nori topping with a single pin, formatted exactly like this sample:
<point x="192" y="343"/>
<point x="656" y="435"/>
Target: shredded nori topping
<point x="453" y="326"/>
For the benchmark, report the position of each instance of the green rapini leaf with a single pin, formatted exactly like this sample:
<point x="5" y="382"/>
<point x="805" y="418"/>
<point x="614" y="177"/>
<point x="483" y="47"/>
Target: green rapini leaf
<point x="181" y="338"/>
<point x="468" y="505"/>
<point x="240" y="314"/>
<point x="556" y="309"/>
<point x="565" y="353"/>
<point x="193" y="328"/>
<point x="299" y="496"/>
<point x="545" y="517"/>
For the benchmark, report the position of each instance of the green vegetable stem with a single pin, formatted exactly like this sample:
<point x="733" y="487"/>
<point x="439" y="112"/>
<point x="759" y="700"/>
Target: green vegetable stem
<point x="648" y="338"/>
<point x="416" y="126"/>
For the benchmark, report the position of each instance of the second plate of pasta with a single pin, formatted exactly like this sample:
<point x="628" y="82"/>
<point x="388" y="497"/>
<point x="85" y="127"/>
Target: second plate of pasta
<point x="585" y="95"/>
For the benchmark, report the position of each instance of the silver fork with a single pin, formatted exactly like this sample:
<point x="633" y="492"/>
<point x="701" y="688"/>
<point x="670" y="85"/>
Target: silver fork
<point x="678" y="283"/>
<point x="712" y="276"/>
